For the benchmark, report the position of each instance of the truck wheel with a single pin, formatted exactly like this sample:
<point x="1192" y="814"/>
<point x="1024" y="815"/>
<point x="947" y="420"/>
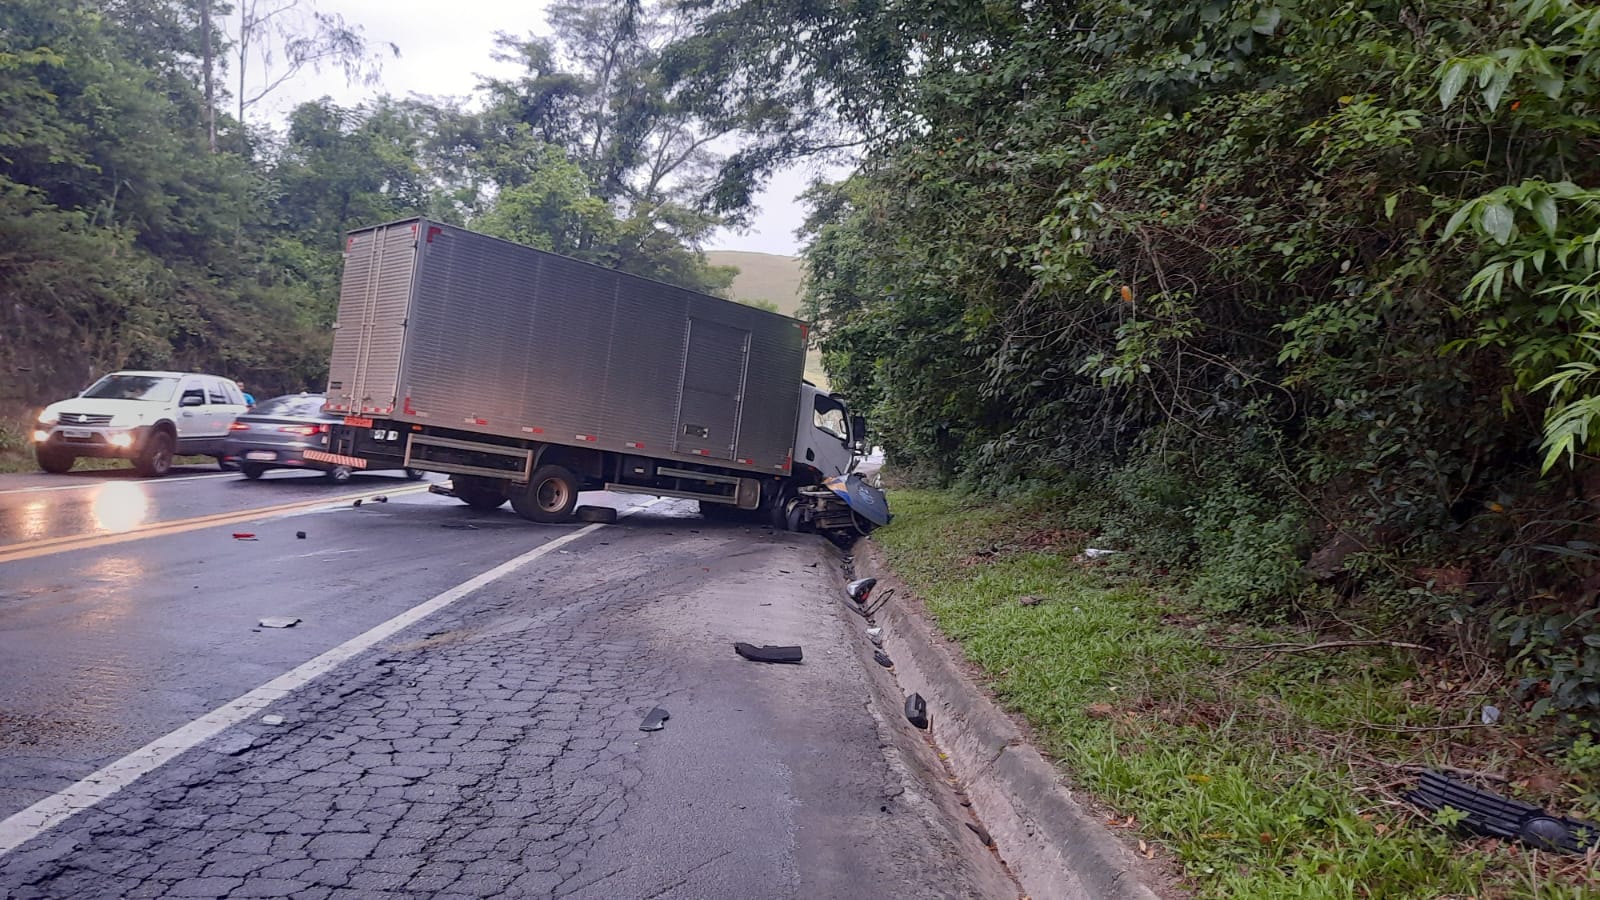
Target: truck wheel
<point x="55" y="462"/>
<point x="337" y="474"/>
<point x="550" y="495"/>
<point x="155" y="458"/>
<point x="482" y="494"/>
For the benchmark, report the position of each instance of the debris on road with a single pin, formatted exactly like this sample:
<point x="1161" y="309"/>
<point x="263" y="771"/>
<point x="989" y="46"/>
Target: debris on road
<point x="982" y="833"/>
<point x="882" y="659"/>
<point x="860" y="589"/>
<point x="244" y="535"/>
<point x="1097" y="553"/>
<point x="279" y="622"/>
<point x="272" y="720"/>
<point x="1490" y="814"/>
<point x="604" y="515"/>
<point x="1490" y="715"/>
<point x="357" y="503"/>
<point x="300" y="535"/>
<point x="917" y="711"/>
<point x="656" y="720"/>
<point x="468" y="526"/>
<point x="875" y="635"/>
<point x="768" y="653"/>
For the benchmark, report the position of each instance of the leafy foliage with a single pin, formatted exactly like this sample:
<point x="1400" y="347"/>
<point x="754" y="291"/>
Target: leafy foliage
<point x="1271" y="275"/>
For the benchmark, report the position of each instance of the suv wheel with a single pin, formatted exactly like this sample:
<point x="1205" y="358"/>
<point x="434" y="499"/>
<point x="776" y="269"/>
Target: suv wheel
<point x="56" y="462"/>
<point x="155" y="458"/>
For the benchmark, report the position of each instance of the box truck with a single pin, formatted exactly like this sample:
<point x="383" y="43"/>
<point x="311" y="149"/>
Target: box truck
<point x="529" y="377"/>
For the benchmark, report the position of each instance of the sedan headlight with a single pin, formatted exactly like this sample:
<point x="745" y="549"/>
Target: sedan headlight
<point x="49" y="417"/>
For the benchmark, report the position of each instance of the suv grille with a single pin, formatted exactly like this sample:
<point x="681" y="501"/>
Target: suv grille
<point x="84" y="419"/>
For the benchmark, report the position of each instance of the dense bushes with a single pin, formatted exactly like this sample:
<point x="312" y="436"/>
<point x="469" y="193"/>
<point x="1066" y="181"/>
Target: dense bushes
<point x="1264" y="279"/>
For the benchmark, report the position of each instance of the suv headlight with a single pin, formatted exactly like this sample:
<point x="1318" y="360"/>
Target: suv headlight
<point x="49" y="417"/>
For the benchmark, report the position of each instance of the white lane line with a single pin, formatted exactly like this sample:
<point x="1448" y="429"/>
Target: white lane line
<point x="92" y="484"/>
<point x="57" y="808"/>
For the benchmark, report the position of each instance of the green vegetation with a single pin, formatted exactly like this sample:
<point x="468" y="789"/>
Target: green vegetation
<point x="145" y="226"/>
<point x="1305" y="291"/>
<point x="1265" y="775"/>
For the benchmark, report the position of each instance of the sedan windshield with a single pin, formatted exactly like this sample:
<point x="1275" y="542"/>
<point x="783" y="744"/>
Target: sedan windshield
<point x="133" y="387"/>
<point x="302" y="406"/>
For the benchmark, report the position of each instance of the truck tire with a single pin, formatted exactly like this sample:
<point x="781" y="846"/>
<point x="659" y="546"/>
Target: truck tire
<point x="338" y="474"/>
<point x="56" y="462"/>
<point x="155" y="457"/>
<point x="549" y="496"/>
<point x="482" y="494"/>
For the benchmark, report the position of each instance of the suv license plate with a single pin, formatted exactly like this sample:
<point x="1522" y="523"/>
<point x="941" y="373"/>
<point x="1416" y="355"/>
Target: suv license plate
<point x="78" y="433"/>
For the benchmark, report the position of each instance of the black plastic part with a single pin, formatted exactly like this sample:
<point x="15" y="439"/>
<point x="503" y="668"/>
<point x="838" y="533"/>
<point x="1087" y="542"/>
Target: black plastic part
<point x="656" y="720"/>
<point x="300" y="535"/>
<point x="767" y="653"/>
<point x="1491" y="814"/>
<point x="882" y="658"/>
<point x="917" y="711"/>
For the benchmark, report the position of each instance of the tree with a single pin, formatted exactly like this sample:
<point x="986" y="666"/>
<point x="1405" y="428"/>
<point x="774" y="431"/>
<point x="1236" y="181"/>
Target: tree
<point x="284" y="38"/>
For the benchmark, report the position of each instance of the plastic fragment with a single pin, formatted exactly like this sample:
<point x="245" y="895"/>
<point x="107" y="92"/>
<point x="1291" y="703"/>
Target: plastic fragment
<point x="860" y="589"/>
<point x="882" y="659"/>
<point x="272" y="720"/>
<point x="768" y="653"/>
<point x="300" y="535"/>
<point x="917" y="711"/>
<point x="656" y="720"/>
<point x="1491" y="715"/>
<point x="279" y="622"/>
<point x="244" y="535"/>
<point x="875" y="635"/>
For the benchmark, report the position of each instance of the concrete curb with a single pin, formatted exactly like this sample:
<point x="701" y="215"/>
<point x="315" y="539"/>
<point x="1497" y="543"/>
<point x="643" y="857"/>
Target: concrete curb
<point x="1053" y="847"/>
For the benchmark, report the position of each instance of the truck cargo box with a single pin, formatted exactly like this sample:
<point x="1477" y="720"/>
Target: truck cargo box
<point x="446" y="327"/>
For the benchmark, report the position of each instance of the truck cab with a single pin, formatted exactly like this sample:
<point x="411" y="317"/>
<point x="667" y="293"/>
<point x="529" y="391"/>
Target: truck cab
<point x="827" y="437"/>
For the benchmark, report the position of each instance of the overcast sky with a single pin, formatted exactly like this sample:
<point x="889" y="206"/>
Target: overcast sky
<point x="444" y="47"/>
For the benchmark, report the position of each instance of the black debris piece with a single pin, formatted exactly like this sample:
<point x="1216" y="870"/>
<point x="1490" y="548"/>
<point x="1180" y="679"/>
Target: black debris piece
<point x="300" y="535"/>
<point x="656" y="720"/>
<point x="463" y="525"/>
<point x="917" y="711"/>
<point x="380" y="499"/>
<point x="982" y="833"/>
<point x="604" y="515"/>
<point x="1491" y="814"/>
<point x="357" y="503"/>
<point x="860" y="589"/>
<point x="767" y="653"/>
<point x="882" y="659"/>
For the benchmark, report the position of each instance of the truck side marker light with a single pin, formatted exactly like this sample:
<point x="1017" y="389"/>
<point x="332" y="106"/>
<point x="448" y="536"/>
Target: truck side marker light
<point x="634" y="445"/>
<point x="531" y="430"/>
<point x="583" y="437"/>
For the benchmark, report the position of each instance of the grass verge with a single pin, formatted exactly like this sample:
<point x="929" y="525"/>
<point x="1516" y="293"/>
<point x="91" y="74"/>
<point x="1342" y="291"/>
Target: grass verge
<point x="1262" y="774"/>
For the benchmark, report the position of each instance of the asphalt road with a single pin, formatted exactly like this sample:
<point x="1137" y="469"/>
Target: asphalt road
<point x="460" y="704"/>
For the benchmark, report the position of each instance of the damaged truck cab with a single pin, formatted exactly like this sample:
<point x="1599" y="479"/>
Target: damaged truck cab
<point x="529" y="377"/>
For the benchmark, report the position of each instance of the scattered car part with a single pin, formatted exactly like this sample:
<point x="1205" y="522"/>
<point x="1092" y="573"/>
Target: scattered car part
<point x="768" y="653"/>
<point x="244" y="535"/>
<point x="861" y="589"/>
<point x="357" y="503"/>
<point x="1096" y="553"/>
<point x="917" y="711"/>
<point x="272" y="719"/>
<point x="1491" y="814"/>
<point x="882" y="659"/>
<point x="604" y="515"/>
<point x="300" y="535"/>
<point x="875" y="635"/>
<point x="279" y="622"/>
<point x="656" y="720"/>
<point x="380" y="499"/>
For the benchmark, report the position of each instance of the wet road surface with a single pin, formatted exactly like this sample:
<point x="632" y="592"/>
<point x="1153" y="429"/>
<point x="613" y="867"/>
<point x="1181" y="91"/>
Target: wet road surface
<point x="491" y="748"/>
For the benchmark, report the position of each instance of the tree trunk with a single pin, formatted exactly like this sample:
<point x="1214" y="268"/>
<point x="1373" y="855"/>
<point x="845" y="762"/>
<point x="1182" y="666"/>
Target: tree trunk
<point x="208" y="64"/>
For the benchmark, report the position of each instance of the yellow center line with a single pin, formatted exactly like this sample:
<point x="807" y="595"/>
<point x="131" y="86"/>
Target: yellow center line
<point x="46" y="546"/>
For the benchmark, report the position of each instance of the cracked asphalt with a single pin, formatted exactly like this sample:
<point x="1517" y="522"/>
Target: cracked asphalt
<point x="493" y="749"/>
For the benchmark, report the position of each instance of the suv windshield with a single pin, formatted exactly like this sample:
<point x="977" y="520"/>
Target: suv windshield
<point x="305" y="405"/>
<point x="133" y="387"/>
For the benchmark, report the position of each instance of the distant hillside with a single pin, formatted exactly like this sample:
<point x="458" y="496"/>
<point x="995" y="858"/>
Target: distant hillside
<point x="768" y="276"/>
<point x="763" y="276"/>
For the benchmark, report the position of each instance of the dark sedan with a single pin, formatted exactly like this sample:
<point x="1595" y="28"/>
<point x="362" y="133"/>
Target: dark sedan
<point x="276" y="433"/>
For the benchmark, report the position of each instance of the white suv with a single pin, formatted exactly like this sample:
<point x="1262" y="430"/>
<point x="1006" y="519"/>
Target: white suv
<point x="148" y="417"/>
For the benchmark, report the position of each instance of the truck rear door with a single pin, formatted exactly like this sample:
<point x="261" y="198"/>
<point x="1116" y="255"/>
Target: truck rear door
<point x="712" y="389"/>
<point x="374" y="301"/>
